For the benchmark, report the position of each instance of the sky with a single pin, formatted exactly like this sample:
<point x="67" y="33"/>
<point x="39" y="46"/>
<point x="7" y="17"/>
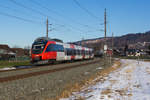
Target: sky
<point x="22" y="21"/>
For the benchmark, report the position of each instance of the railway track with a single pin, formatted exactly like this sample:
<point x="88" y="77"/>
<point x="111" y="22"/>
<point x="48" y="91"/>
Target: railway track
<point x="36" y="73"/>
<point x="24" y="67"/>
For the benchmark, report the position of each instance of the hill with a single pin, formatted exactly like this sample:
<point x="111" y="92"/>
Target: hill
<point x="134" y="40"/>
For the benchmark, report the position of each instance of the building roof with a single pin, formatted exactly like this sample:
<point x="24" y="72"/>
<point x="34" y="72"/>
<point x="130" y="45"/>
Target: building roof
<point x="5" y="47"/>
<point x="18" y="51"/>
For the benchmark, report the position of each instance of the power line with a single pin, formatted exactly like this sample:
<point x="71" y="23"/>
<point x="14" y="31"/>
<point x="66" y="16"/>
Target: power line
<point x="19" y="18"/>
<point x="85" y="9"/>
<point x="37" y="3"/>
<point x="58" y="14"/>
<point x="16" y="10"/>
<point x="31" y="9"/>
<point x="41" y="13"/>
<point x="2" y="6"/>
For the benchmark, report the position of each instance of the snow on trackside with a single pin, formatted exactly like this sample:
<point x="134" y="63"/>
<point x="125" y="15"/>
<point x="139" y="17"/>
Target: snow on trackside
<point x="99" y="68"/>
<point x="7" y="68"/>
<point x="130" y="82"/>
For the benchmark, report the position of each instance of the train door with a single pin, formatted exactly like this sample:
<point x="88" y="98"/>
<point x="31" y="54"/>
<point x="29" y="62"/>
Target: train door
<point x="60" y="56"/>
<point x="60" y="52"/>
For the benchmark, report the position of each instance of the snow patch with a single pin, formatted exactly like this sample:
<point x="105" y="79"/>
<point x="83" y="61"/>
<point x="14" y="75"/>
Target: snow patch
<point x="86" y="73"/>
<point x="130" y="82"/>
<point x="99" y="68"/>
<point x="8" y="68"/>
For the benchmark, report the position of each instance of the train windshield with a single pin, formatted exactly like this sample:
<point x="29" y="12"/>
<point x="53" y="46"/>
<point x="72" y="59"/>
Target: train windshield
<point x="41" y="46"/>
<point x="38" y="48"/>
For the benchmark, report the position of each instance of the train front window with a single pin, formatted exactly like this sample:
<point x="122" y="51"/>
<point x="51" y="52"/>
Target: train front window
<point x="37" y="49"/>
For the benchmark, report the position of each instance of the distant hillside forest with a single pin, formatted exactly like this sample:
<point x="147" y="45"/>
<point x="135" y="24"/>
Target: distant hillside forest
<point x="132" y="39"/>
<point x="119" y="42"/>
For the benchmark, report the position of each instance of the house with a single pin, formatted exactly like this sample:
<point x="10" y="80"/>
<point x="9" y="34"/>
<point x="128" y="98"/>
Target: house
<point x="20" y="52"/>
<point x="6" y="52"/>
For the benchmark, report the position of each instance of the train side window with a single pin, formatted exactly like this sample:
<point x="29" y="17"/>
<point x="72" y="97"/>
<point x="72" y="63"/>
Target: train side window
<point x="82" y="52"/>
<point x="49" y="48"/>
<point x="58" y="48"/>
<point x="74" y="52"/>
<point x="86" y="52"/>
<point x="54" y="47"/>
<point x="65" y="50"/>
<point x="78" y="52"/>
<point x="90" y="53"/>
<point x="68" y="51"/>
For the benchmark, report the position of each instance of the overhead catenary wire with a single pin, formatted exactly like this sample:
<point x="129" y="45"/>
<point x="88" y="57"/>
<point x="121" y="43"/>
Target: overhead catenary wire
<point x="85" y="9"/>
<point x="16" y="10"/>
<point x="20" y="18"/>
<point x="58" y="14"/>
<point x="41" y="13"/>
<point x="31" y="9"/>
<point x="37" y="3"/>
<point x="36" y="11"/>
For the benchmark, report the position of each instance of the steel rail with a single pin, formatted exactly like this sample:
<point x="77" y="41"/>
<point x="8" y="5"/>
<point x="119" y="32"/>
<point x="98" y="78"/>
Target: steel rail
<point x="27" y="75"/>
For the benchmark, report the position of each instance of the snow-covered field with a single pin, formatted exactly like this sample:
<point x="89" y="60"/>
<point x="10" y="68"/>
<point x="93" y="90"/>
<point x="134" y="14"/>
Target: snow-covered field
<point x="130" y="82"/>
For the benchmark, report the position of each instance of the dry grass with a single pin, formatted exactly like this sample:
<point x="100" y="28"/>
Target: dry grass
<point x="129" y="70"/>
<point x="121" y="92"/>
<point x="98" y="77"/>
<point x="113" y="81"/>
<point x="148" y="70"/>
<point x="106" y="92"/>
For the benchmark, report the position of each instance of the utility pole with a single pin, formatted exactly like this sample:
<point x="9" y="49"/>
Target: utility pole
<point x="105" y="23"/>
<point x="47" y="27"/>
<point x="105" y="45"/>
<point x="112" y="42"/>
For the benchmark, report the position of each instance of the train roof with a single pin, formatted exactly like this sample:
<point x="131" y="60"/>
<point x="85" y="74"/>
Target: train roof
<point x="47" y="39"/>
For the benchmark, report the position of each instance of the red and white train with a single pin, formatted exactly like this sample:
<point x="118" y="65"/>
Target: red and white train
<point x="46" y="50"/>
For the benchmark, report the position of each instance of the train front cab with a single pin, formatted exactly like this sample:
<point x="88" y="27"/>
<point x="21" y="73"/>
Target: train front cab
<point x="52" y="52"/>
<point x="37" y="50"/>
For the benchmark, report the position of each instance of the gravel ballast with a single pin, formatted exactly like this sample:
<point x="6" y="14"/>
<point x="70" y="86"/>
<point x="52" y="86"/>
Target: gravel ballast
<point x="46" y="86"/>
